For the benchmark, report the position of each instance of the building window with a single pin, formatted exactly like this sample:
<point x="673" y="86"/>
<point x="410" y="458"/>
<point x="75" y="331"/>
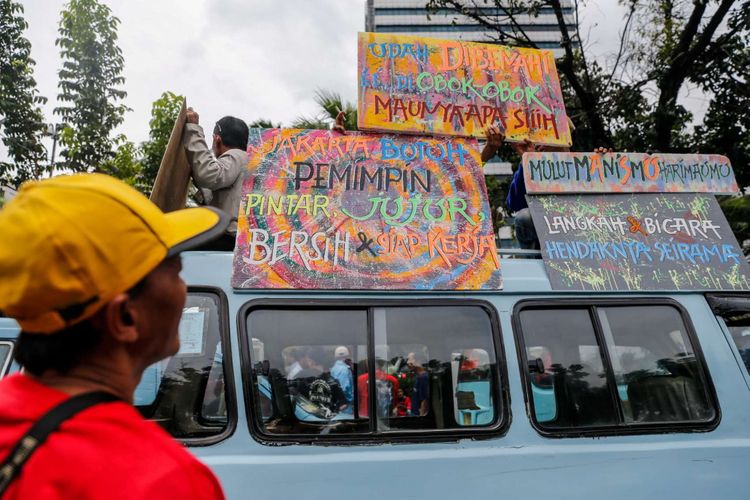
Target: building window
<point x="434" y="369"/>
<point x="485" y="11"/>
<point x="613" y="367"/>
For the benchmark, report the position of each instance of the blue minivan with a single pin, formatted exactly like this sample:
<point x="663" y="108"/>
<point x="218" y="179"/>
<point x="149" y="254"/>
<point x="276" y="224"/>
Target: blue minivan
<point x="517" y="393"/>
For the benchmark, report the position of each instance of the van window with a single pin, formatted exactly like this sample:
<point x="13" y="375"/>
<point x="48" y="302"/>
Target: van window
<point x="6" y="348"/>
<point x="186" y="393"/>
<point x="612" y="366"/>
<point x="443" y="363"/>
<point x="304" y="375"/>
<point x="735" y="311"/>
<point x="433" y="367"/>
<point x="564" y="359"/>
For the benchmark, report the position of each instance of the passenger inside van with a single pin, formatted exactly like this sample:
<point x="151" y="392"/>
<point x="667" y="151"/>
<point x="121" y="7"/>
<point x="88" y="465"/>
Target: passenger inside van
<point x="386" y="389"/>
<point x="342" y="371"/>
<point x="420" y="393"/>
<point x="315" y="385"/>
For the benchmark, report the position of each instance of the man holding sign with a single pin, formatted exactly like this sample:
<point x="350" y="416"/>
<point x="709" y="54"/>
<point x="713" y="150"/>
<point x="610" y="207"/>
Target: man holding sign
<point x="220" y="168"/>
<point x="516" y="199"/>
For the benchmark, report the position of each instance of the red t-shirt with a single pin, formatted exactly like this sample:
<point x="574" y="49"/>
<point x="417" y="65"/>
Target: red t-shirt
<point x="106" y="451"/>
<point x="364" y="398"/>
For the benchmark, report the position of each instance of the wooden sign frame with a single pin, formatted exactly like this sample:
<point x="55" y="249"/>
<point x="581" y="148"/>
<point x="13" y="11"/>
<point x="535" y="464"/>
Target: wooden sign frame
<point x="171" y="185"/>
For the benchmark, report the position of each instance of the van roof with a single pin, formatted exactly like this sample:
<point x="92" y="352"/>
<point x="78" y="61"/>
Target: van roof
<point x="520" y="275"/>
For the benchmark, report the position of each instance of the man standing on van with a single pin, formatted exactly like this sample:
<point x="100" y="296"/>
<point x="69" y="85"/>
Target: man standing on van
<point x="90" y="269"/>
<point x="219" y="169"/>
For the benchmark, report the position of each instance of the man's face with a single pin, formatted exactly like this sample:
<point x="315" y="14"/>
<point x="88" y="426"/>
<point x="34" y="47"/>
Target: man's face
<point x="160" y="308"/>
<point x="215" y="143"/>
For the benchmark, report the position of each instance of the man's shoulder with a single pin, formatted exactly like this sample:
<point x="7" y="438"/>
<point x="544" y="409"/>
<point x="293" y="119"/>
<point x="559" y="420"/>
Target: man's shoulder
<point x="235" y="154"/>
<point x="140" y="457"/>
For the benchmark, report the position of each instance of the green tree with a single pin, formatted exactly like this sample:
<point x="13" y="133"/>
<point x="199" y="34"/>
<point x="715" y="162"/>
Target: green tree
<point x="23" y="122"/>
<point x="90" y="84"/>
<point x="660" y="41"/>
<point x="726" y="126"/>
<point x="164" y="112"/>
<point x="330" y="104"/>
<point x="125" y="163"/>
<point x="737" y="211"/>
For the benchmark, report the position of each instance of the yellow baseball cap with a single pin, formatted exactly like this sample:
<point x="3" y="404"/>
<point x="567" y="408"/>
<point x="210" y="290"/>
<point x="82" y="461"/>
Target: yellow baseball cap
<point x="72" y="243"/>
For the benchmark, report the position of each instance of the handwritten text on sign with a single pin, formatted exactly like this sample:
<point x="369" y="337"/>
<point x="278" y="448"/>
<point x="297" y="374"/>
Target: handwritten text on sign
<point x="665" y="241"/>
<point x="627" y="173"/>
<point x="330" y="211"/>
<point x="422" y="85"/>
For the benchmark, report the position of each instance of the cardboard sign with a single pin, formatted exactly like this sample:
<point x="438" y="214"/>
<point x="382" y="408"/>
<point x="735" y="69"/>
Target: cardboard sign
<point x="638" y="242"/>
<point x="171" y="185"/>
<point x="321" y="210"/>
<point x="418" y="85"/>
<point x="627" y="173"/>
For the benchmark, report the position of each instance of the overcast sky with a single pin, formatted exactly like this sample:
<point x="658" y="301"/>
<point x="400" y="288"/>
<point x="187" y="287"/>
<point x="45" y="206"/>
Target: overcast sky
<point x="249" y="58"/>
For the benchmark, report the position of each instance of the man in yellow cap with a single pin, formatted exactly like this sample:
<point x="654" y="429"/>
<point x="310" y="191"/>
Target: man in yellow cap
<point x="90" y="270"/>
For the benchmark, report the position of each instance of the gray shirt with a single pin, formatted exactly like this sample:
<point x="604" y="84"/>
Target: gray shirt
<point x="222" y="175"/>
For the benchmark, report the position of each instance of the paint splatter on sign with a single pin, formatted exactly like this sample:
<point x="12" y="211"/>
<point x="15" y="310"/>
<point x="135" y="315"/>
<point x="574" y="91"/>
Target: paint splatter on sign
<point x="429" y="86"/>
<point x="638" y="242"/>
<point x="627" y="173"/>
<point x="321" y="210"/>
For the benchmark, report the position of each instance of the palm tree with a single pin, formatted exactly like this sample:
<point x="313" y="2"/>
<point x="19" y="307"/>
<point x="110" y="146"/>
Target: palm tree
<point x="330" y="105"/>
<point x="263" y="123"/>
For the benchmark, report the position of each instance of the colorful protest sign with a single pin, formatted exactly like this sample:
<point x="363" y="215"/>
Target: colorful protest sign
<point x="627" y="173"/>
<point x="321" y="210"/>
<point x="664" y="241"/>
<point x="418" y="85"/>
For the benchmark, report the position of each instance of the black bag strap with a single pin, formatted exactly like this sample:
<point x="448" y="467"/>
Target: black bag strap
<point x="50" y="421"/>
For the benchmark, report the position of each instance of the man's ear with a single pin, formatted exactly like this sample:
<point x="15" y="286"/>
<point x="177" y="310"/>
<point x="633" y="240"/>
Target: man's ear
<point x="121" y="318"/>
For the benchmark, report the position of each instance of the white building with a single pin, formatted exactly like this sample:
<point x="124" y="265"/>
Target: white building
<point x="409" y="17"/>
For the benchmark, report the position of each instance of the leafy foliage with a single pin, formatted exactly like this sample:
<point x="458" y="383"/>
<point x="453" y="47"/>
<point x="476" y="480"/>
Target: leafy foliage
<point x="737" y="211"/>
<point x="90" y="84"/>
<point x="633" y="104"/>
<point x="23" y="123"/>
<point x="125" y="163"/>
<point x="726" y="74"/>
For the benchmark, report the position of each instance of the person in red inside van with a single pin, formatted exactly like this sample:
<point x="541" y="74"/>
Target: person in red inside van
<point x="92" y="275"/>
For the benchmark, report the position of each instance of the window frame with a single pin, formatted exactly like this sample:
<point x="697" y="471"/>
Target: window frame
<point x="724" y="303"/>
<point x="229" y="386"/>
<point x="252" y="397"/>
<point x="9" y="359"/>
<point x="622" y="428"/>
